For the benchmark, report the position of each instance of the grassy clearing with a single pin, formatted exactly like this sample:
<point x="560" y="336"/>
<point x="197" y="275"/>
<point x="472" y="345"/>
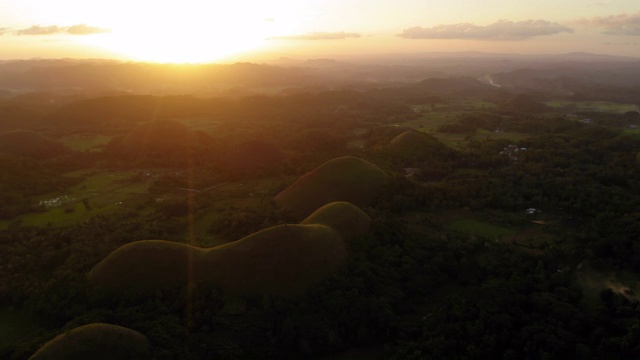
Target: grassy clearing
<point x="86" y="142"/>
<point x="431" y="121"/>
<point x="103" y="192"/>
<point x="513" y="136"/>
<point x="476" y="227"/>
<point x="599" y="106"/>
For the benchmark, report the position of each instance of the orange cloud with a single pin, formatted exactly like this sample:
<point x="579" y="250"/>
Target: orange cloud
<point x="621" y="24"/>
<point x="319" y="36"/>
<point x="79" y="29"/>
<point x="501" y="30"/>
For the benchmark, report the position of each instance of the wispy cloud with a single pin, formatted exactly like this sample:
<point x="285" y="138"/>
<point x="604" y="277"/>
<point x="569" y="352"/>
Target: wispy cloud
<point x="319" y="36"/>
<point x="79" y="29"/>
<point x="622" y="24"/>
<point x="82" y="29"/>
<point x="40" y="30"/>
<point x="500" y="30"/>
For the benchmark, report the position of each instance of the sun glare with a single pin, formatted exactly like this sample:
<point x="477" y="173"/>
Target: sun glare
<point x="192" y="32"/>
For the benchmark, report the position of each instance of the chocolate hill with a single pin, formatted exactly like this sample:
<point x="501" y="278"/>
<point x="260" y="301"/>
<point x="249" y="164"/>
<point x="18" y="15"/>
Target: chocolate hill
<point x="96" y="342"/>
<point x="347" y="178"/>
<point x="281" y="260"/>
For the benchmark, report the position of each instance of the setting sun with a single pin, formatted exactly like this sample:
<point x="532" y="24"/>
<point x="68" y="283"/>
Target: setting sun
<point x="192" y="32"/>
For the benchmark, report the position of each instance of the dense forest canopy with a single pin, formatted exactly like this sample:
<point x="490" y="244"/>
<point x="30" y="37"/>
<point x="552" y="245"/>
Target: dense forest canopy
<point x="431" y="218"/>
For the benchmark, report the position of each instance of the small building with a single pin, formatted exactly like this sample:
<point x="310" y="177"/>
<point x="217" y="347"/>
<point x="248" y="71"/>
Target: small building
<point x="532" y="211"/>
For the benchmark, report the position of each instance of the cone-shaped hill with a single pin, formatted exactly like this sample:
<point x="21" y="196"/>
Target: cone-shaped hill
<point x="412" y="145"/>
<point x="281" y="260"/>
<point x="524" y="103"/>
<point x="253" y="156"/>
<point x="30" y="144"/>
<point x="97" y="342"/>
<point x="350" y="221"/>
<point x="160" y="135"/>
<point x="346" y="178"/>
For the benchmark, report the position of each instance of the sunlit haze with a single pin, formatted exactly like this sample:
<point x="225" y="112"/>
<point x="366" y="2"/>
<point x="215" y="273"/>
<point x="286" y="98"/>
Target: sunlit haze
<point x="204" y="31"/>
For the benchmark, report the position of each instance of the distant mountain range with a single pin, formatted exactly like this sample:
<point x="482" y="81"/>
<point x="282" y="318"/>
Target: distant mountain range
<point x="560" y="74"/>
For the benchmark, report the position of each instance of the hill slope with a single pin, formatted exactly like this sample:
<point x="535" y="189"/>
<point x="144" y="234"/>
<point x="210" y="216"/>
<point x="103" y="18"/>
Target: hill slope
<point x="345" y="178"/>
<point x="283" y="260"/>
<point x="412" y="145"/>
<point x="97" y="342"/>
<point x="30" y="144"/>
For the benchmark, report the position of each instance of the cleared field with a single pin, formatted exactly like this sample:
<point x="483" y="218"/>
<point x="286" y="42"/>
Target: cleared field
<point x="86" y="142"/>
<point x="477" y="227"/>
<point x="600" y="106"/>
<point x="431" y="121"/>
<point x="98" y="193"/>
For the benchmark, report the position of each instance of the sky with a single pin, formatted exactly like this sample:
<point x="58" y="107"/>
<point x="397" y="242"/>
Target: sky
<point x="224" y="31"/>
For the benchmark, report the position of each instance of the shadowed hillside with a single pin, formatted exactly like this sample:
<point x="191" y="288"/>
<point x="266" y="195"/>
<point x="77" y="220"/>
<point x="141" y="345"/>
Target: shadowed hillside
<point x="13" y="117"/>
<point x="283" y="260"/>
<point x="524" y="104"/>
<point x="315" y="140"/>
<point x="253" y="156"/>
<point x="158" y="137"/>
<point x="346" y="178"/>
<point x="30" y="144"/>
<point x="413" y="146"/>
<point x="97" y="342"/>
<point x="115" y="113"/>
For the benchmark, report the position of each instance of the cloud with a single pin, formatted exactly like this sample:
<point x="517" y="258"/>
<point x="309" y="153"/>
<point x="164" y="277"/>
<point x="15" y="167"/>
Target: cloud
<point x="79" y="29"/>
<point x="3" y="31"/>
<point x="501" y="30"/>
<point x="319" y="36"/>
<point x="82" y="29"/>
<point x="622" y="24"/>
<point x="40" y="30"/>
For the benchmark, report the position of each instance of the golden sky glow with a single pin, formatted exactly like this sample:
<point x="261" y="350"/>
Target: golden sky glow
<point x="204" y="31"/>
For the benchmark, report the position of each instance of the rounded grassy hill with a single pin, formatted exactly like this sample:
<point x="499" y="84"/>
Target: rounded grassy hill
<point x="30" y="144"/>
<point x="96" y="342"/>
<point x="413" y="145"/>
<point x="281" y="260"/>
<point x="346" y="178"/>
<point x="349" y="220"/>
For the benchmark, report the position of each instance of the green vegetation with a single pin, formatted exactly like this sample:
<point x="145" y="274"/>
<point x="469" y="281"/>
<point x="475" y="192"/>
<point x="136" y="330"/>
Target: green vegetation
<point x="475" y="228"/>
<point x="480" y="228"/>
<point x="15" y="325"/>
<point x="86" y="142"/>
<point x="100" y="192"/>
<point x="30" y="144"/>
<point x="598" y="106"/>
